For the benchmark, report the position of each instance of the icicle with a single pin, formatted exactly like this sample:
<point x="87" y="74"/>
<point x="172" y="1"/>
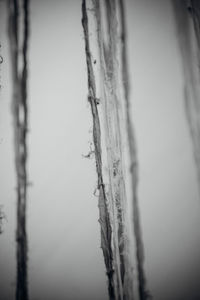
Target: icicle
<point x="19" y="107"/>
<point x="133" y="159"/>
<point x="111" y="102"/>
<point x="187" y="15"/>
<point x="117" y="130"/>
<point x="103" y="209"/>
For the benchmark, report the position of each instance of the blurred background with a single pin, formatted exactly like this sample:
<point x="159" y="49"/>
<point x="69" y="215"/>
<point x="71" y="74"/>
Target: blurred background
<point x="65" y="259"/>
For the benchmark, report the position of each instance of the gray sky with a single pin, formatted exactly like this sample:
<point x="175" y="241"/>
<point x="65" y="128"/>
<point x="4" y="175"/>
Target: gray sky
<point x="65" y="259"/>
